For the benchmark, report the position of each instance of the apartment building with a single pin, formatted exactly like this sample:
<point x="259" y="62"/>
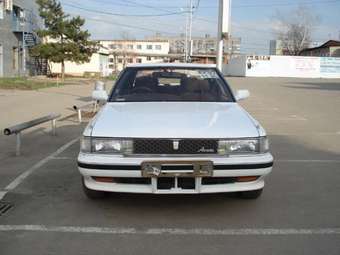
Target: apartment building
<point x="18" y="21"/>
<point x="124" y="52"/>
<point x="201" y="45"/>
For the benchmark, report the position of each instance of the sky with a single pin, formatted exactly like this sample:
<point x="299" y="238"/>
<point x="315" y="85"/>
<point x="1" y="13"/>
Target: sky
<point x="252" y="20"/>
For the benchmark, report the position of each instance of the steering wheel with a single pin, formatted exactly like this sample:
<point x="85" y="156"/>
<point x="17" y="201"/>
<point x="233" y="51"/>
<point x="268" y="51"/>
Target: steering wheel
<point x="141" y="90"/>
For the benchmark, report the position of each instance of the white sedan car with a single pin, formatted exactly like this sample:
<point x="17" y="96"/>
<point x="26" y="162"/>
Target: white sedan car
<point x="173" y="129"/>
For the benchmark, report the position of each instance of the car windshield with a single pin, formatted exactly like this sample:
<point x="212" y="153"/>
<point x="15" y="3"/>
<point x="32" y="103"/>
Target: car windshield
<point x="171" y="84"/>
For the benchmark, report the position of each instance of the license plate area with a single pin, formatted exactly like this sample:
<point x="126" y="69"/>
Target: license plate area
<point x="170" y="183"/>
<point x="177" y="168"/>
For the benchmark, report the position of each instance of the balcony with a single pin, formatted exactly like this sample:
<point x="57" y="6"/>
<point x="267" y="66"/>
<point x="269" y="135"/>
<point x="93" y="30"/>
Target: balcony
<point x="27" y="24"/>
<point x="18" y="25"/>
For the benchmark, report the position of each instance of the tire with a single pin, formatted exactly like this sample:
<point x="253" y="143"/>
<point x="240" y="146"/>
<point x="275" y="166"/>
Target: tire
<point x="93" y="194"/>
<point x="252" y="194"/>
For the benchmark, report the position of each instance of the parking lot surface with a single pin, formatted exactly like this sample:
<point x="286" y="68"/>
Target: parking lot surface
<point x="298" y="213"/>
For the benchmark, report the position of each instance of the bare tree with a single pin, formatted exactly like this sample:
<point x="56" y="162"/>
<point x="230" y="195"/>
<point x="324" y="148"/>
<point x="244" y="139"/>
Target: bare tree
<point x="294" y="29"/>
<point x="126" y="35"/>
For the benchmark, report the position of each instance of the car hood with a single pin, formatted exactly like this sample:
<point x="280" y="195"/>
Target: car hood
<point x="173" y="120"/>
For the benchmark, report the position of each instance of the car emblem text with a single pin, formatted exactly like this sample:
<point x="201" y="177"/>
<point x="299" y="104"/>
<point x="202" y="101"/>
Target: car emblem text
<point x="204" y="150"/>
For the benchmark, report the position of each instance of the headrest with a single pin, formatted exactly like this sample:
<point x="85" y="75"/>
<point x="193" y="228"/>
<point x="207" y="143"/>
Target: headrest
<point x="146" y="81"/>
<point x="195" y="85"/>
<point x="204" y="85"/>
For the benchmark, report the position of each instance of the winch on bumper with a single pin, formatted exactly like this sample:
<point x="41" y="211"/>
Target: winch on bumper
<point x="174" y="175"/>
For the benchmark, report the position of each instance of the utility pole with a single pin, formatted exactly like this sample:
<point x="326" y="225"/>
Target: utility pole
<point x="190" y="29"/>
<point x="223" y="29"/>
<point x="188" y="32"/>
<point x="186" y="39"/>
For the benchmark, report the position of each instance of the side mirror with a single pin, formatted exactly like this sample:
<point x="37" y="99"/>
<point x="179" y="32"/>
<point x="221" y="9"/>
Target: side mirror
<point x="99" y="93"/>
<point x="242" y="94"/>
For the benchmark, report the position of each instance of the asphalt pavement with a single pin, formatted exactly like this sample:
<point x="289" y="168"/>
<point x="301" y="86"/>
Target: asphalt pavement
<point x="298" y="213"/>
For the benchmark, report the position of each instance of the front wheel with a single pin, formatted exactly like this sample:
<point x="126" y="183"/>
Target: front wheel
<point x="252" y="194"/>
<point x="93" y="194"/>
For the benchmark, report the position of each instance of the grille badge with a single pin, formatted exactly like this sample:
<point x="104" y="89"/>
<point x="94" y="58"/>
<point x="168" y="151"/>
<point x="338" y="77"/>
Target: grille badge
<point x="175" y="145"/>
<point x="204" y="150"/>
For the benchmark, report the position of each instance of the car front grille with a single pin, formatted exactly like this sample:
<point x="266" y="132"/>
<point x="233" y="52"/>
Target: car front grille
<point x="175" y="147"/>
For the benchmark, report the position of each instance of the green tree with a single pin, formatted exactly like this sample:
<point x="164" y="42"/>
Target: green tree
<point x="63" y="36"/>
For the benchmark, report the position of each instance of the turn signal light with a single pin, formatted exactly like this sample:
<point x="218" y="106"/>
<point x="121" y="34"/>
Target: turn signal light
<point x="247" y="178"/>
<point x="103" y="179"/>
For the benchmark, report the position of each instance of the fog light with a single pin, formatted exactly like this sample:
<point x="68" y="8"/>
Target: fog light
<point x="247" y="178"/>
<point x="103" y="179"/>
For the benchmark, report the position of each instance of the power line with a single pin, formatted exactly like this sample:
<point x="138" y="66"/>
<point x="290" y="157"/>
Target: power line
<point x="123" y="15"/>
<point x="129" y="26"/>
<point x="145" y="5"/>
<point x="265" y="5"/>
<point x="100" y="12"/>
<point x="286" y="4"/>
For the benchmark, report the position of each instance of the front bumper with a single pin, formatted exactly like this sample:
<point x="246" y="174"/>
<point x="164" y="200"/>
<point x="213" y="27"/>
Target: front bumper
<point x="91" y="165"/>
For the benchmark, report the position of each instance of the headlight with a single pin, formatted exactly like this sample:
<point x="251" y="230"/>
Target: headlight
<point x="243" y="146"/>
<point x="106" y="145"/>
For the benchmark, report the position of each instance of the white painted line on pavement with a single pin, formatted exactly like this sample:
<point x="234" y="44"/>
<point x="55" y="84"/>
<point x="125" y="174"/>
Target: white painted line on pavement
<point x="172" y="231"/>
<point x="2" y="194"/>
<point x="28" y="172"/>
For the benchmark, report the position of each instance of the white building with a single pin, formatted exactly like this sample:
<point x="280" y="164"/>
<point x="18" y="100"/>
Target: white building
<point x="98" y="66"/>
<point x="201" y="45"/>
<point x="123" y="52"/>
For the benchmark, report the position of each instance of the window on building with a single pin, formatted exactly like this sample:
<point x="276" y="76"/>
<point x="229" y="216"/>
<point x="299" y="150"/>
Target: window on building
<point x="148" y="58"/>
<point x="8" y="5"/>
<point x="113" y="46"/>
<point x="158" y="47"/>
<point x="120" y="60"/>
<point x="1" y="9"/>
<point x="130" y="60"/>
<point x="111" y="60"/>
<point x="129" y="46"/>
<point x="15" y="58"/>
<point x="138" y="60"/>
<point x="139" y="47"/>
<point x="149" y="47"/>
<point x="119" y="46"/>
<point x="111" y="66"/>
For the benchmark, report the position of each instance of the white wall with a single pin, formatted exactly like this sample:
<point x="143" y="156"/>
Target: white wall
<point x="235" y="67"/>
<point x="98" y="64"/>
<point x="284" y="66"/>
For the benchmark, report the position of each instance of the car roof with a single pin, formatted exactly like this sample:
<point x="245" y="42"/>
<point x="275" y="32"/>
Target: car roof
<point x="179" y="65"/>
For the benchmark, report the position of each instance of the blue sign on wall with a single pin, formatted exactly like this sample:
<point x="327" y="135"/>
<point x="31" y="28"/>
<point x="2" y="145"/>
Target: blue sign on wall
<point x="330" y="65"/>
